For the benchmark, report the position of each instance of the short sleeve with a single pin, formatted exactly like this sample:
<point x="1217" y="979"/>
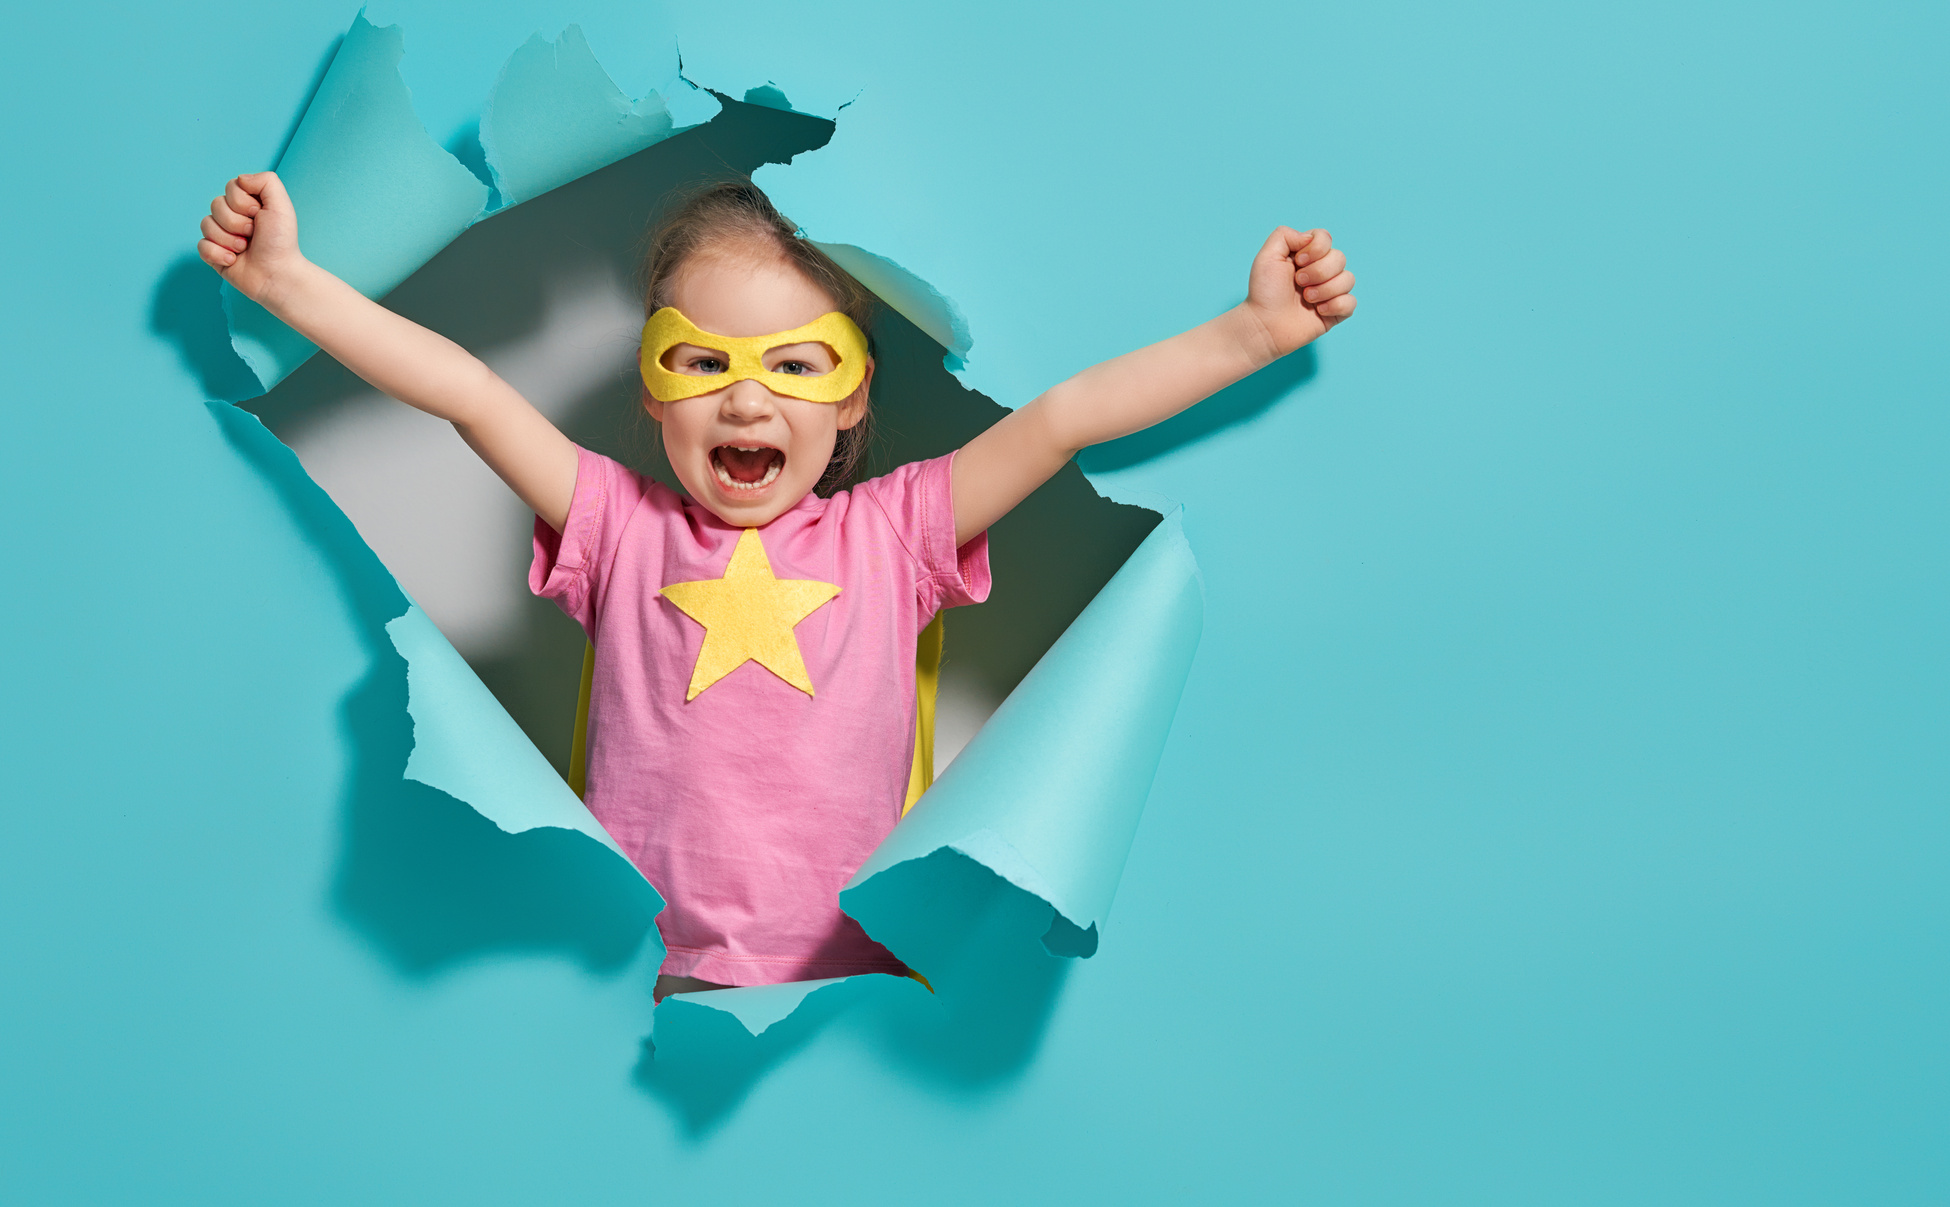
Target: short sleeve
<point x="918" y="500"/>
<point x="569" y="567"/>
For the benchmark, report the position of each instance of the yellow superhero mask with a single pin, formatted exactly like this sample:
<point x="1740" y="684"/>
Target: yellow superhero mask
<point x="746" y="353"/>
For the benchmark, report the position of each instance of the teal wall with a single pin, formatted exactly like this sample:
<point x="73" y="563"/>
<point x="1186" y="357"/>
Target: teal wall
<point x="1557" y="810"/>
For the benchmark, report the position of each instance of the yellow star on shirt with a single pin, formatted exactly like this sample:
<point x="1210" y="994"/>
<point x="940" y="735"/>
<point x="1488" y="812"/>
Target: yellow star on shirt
<point x="748" y="616"/>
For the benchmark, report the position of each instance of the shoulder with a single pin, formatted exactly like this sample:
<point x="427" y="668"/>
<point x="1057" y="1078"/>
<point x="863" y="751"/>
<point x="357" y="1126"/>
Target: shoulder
<point x="900" y="488"/>
<point x="615" y="507"/>
<point x="911" y="501"/>
<point x="605" y="482"/>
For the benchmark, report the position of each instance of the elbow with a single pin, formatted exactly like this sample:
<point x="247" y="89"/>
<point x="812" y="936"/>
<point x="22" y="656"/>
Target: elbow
<point x="1057" y="424"/>
<point x="472" y="396"/>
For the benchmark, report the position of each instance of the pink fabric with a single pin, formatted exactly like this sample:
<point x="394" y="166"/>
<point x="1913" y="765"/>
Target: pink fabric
<point x="751" y="805"/>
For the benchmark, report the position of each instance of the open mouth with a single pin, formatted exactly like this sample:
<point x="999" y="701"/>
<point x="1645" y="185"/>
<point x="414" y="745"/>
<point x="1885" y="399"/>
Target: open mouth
<point x="747" y="467"/>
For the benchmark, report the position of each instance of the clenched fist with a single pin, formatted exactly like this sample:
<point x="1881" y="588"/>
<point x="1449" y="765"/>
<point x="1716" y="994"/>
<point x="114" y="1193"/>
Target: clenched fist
<point x="251" y="235"/>
<point x="1299" y="287"/>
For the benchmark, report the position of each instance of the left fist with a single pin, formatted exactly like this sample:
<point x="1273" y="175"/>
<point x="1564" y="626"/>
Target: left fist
<point x="1300" y="286"/>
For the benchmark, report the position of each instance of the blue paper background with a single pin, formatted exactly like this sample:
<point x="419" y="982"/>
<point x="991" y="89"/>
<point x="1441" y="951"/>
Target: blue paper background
<point x="1556" y="811"/>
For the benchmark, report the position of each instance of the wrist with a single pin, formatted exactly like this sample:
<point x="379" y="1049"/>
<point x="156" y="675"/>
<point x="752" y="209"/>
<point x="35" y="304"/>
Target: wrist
<point x="287" y="286"/>
<point x="1250" y="334"/>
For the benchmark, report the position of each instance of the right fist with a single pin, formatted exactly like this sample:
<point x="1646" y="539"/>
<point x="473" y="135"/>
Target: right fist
<point x="251" y="235"/>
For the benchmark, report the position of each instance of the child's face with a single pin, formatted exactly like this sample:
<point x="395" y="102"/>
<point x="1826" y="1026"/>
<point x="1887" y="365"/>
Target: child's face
<point x="744" y="452"/>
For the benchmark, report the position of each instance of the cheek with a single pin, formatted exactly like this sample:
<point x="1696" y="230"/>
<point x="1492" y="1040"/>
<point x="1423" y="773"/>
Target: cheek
<point x="681" y="431"/>
<point x="813" y="438"/>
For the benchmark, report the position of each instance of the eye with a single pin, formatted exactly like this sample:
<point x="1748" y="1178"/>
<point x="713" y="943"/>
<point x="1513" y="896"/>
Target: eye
<point x="706" y="366"/>
<point x="801" y="360"/>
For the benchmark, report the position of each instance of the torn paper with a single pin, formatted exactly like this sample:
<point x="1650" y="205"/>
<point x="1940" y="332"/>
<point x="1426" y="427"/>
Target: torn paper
<point x="554" y="116"/>
<point x="377" y="197"/>
<point x="1013" y="857"/>
<point x="1048" y="794"/>
<point x="922" y="304"/>
<point x="466" y="745"/>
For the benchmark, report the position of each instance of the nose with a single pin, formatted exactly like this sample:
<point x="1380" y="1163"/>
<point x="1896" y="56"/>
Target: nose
<point x="746" y="402"/>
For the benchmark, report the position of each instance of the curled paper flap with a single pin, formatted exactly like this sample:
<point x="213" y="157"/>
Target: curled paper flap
<point x="466" y="745"/>
<point x="377" y="197"/>
<point x="919" y="302"/>
<point x="1048" y="794"/>
<point x="554" y="115"/>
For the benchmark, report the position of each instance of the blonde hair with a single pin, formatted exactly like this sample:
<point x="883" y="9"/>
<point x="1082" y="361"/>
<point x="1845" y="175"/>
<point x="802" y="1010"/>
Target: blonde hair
<point x="736" y="212"/>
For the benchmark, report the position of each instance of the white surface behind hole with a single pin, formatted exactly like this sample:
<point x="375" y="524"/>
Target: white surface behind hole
<point x="455" y="536"/>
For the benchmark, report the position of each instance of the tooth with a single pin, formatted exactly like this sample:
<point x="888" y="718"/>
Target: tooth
<point x="725" y="478"/>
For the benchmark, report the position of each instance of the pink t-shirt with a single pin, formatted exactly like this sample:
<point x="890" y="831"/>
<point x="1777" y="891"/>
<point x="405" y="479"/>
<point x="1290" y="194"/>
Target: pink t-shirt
<point x="752" y="804"/>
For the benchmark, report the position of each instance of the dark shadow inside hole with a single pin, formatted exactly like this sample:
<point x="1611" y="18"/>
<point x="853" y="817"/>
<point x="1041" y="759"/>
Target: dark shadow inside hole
<point x="1050" y="556"/>
<point x="419" y="874"/>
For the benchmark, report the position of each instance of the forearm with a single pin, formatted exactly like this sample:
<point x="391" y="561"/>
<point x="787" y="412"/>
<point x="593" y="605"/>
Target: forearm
<point x="432" y="373"/>
<point x="397" y="356"/>
<point x="1148" y="386"/>
<point x="1299" y="287"/>
<point x="251" y="237"/>
<point x="1003" y="465"/>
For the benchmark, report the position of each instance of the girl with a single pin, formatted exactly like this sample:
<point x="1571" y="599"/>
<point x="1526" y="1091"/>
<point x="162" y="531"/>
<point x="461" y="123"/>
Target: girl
<point x="751" y="715"/>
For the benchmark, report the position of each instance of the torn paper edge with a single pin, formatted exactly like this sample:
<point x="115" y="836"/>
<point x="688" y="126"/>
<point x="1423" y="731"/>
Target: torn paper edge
<point x="328" y="139"/>
<point x="466" y="745"/>
<point x="371" y="219"/>
<point x="756" y="1007"/>
<point x="1048" y="795"/>
<point x="916" y="300"/>
<point x="554" y="116"/>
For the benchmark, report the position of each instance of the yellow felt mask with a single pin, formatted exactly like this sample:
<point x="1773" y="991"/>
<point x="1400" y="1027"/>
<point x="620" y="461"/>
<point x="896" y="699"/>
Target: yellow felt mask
<point x="746" y="353"/>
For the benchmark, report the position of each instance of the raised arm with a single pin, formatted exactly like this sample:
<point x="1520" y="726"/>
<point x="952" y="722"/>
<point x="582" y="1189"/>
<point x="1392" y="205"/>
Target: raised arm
<point x="1298" y="288"/>
<point x="251" y="237"/>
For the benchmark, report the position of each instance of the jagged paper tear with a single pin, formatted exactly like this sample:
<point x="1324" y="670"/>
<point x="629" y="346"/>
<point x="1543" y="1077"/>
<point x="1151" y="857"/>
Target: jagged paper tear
<point x="919" y="302"/>
<point x="1044" y="801"/>
<point x="466" y="744"/>
<point x="554" y="116"/>
<point x="377" y="197"/>
<point x="756" y="1007"/>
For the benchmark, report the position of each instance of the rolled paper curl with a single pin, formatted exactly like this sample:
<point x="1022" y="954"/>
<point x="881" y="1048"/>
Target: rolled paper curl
<point x="746" y="355"/>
